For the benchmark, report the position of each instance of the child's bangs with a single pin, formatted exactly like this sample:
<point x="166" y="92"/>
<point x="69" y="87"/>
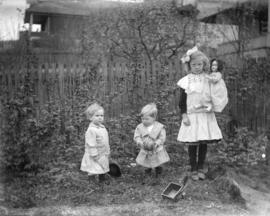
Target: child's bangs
<point x="92" y="109"/>
<point x="151" y="114"/>
<point x="198" y="55"/>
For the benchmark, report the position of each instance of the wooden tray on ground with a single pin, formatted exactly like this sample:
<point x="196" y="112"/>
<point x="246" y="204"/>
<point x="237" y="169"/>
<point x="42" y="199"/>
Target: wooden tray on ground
<point x="174" y="189"/>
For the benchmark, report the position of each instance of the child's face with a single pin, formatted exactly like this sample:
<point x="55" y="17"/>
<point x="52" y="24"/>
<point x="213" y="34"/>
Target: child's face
<point x="214" y="66"/>
<point x="98" y="117"/>
<point x="148" y="120"/>
<point x="196" y="66"/>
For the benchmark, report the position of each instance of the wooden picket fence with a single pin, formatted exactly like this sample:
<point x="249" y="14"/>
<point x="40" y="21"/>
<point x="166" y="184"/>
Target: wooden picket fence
<point x="118" y="80"/>
<point x="126" y="85"/>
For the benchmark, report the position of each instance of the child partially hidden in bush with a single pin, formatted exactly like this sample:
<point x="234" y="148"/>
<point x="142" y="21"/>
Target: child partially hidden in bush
<point x="97" y="150"/>
<point x="150" y="137"/>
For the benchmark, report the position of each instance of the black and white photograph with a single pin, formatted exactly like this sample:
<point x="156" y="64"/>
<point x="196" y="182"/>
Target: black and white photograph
<point x="135" y="107"/>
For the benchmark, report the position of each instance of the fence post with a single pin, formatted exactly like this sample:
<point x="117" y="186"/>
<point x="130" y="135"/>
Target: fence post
<point x="267" y="150"/>
<point x="10" y="90"/>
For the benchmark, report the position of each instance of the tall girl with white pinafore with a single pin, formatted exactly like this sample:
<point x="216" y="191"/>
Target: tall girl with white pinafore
<point x="199" y="125"/>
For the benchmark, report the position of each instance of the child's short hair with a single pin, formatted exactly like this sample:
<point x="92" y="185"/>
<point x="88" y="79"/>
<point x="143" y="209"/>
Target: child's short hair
<point x="149" y="109"/>
<point x="219" y="63"/>
<point x="92" y="109"/>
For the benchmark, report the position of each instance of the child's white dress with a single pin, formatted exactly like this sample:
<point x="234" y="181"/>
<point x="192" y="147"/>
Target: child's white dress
<point x="203" y="124"/>
<point x="97" y="150"/>
<point x="157" y="135"/>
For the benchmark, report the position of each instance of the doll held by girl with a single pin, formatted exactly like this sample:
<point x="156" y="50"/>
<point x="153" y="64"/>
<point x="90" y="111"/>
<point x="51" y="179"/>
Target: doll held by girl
<point x="218" y="90"/>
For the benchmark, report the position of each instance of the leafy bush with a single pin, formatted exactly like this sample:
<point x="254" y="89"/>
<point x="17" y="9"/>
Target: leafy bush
<point x="245" y="148"/>
<point x="26" y="138"/>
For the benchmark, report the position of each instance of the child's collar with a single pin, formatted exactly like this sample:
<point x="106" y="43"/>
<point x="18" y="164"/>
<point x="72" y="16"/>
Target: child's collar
<point x="96" y="126"/>
<point x="156" y="129"/>
<point x="202" y="73"/>
<point x="150" y="125"/>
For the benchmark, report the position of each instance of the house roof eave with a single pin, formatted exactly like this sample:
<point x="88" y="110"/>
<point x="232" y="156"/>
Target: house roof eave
<point x="27" y="15"/>
<point x="208" y="14"/>
<point x="57" y="8"/>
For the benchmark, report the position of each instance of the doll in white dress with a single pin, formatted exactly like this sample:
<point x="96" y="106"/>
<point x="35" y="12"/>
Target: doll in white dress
<point x="218" y="90"/>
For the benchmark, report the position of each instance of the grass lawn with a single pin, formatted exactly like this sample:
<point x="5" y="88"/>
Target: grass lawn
<point x="65" y="190"/>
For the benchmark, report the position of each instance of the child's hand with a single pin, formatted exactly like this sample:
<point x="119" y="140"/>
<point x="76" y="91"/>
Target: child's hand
<point x="103" y="160"/>
<point x="214" y="77"/>
<point x="96" y="157"/>
<point x="149" y="145"/>
<point x="140" y="144"/>
<point x="185" y="120"/>
<point x="209" y="108"/>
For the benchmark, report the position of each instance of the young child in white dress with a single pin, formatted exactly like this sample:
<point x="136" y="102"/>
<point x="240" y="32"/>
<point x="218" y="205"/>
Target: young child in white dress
<point x="95" y="160"/>
<point x="199" y="125"/>
<point x="150" y="137"/>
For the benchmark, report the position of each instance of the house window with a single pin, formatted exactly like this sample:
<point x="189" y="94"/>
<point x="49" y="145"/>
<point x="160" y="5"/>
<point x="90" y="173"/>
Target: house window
<point x="263" y="18"/>
<point x="41" y="23"/>
<point x="36" y="28"/>
<point x="263" y="26"/>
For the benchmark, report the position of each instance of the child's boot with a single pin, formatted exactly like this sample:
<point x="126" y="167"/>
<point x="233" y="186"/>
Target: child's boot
<point x="201" y="174"/>
<point x="194" y="176"/>
<point x="91" y="178"/>
<point x="148" y="171"/>
<point x="158" y="171"/>
<point x="101" y="178"/>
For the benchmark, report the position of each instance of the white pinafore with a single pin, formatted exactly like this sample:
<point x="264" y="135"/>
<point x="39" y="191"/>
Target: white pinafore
<point x="203" y="124"/>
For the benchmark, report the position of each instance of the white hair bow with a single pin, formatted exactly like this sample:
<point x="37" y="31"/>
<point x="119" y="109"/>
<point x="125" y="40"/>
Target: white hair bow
<point x="186" y="57"/>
